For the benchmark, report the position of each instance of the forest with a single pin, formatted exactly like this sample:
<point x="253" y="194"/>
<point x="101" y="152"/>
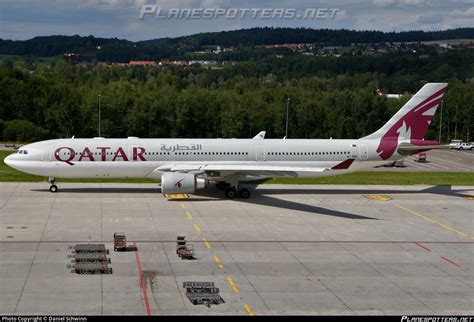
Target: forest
<point x="121" y="50"/>
<point x="329" y="97"/>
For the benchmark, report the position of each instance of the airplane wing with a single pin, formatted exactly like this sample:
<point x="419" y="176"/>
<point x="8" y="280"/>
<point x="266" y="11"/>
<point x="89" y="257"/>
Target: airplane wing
<point x="225" y="169"/>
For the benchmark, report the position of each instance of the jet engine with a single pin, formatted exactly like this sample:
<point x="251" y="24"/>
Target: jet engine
<point x="176" y="182"/>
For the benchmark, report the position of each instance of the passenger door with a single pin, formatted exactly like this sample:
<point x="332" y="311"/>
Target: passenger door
<point x="363" y="152"/>
<point x="260" y="153"/>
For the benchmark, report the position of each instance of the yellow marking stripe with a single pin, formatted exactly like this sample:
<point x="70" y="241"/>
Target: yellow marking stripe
<point x="470" y="197"/>
<point x="182" y="205"/>
<point x="457" y="231"/>
<point x="378" y="197"/>
<point x="190" y="217"/>
<point x="249" y="310"/>
<point x="197" y="228"/>
<point x="177" y="196"/>
<point x="435" y="222"/>
<point x="232" y="284"/>
<point x="218" y="261"/>
<point x="206" y="243"/>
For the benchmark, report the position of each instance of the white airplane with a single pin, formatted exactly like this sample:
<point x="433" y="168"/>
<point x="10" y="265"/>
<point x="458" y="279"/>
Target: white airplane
<point x="185" y="165"/>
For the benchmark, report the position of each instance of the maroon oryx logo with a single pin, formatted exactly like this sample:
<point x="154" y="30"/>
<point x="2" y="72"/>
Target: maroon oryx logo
<point x="413" y="125"/>
<point x="178" y="184"/>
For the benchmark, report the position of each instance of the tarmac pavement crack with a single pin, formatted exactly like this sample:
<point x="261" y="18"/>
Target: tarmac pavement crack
<point x="36" y="253"/>
<point x="10" y="196"/>
<point x="230" y="255"/>
<point x="319" y="280"/>
<point x="443" y="268"/>
<point x="167" y="258"/>
<point x="388" y="278"/>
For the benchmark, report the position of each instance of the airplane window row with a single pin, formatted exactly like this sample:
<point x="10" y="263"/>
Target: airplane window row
<point x="212" y="153"/>
<point x="92" y="153"/>
<point x="167" y="153"/>
<point x="309" y="153"/>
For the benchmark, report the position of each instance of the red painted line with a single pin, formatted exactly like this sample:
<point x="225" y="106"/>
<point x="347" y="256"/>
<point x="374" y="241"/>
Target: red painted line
<point x="424" y="247"/>
<point x="451" y="262"/>
<point x="145" y="295"/>
<point x="252" y="241"/>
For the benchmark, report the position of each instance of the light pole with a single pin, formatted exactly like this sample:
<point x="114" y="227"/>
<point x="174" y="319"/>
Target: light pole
<point x="440" y="120"/>
<point x="99" y="115"/>
<point x="287" y="111"/>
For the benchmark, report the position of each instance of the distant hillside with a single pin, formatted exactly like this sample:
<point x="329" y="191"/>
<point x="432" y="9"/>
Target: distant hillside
<point x="113" y="49"/>
<point x="55" y="45"/>
<point x="271" y="36"/>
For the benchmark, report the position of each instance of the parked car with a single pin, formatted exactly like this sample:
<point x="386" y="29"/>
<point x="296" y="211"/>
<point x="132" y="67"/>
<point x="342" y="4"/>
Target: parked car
<point x="420" y="157"/>
<point x="455" y="144"/>
<point x="464" y="146"/>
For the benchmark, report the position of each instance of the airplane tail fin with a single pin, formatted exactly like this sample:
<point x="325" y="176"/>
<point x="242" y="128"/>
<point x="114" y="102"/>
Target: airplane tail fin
<point x="411" y="122"/>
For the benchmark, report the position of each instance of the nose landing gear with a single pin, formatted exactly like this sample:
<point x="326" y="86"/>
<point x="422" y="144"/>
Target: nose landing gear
<point x="53" y="188"/>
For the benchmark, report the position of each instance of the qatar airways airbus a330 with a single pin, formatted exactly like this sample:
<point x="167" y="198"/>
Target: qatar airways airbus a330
<point x="185" y="165"/>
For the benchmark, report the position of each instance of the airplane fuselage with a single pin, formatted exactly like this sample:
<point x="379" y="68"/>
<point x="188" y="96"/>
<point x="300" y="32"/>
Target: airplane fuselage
<point x="140" y="158"/>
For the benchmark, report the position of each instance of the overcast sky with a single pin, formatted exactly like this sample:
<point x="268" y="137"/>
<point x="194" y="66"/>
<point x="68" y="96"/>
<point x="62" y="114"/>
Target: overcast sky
<point x="24" y="19"/>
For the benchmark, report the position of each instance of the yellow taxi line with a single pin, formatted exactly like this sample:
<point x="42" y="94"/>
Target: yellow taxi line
<point x="249" y="310"/>
<point x="190" y="216"/>
<point x="208" y="245"/>
<point x="197" y="228"/>
<point x="216" y="259"/>
<point x="219" y="263"/>
<point x="232" y="284"/>
<point x="434" y="222"/>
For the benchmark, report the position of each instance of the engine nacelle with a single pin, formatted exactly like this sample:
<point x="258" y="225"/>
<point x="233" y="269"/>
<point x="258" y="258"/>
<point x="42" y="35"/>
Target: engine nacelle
<point x="175" y="182"/>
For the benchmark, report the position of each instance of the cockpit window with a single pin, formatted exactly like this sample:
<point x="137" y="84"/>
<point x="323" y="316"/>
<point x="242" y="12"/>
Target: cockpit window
<point x="22" y="152"/>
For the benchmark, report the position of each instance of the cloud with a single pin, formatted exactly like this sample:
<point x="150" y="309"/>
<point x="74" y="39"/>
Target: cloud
<point x="24" y="19"/>
<point x="399" y="3"/>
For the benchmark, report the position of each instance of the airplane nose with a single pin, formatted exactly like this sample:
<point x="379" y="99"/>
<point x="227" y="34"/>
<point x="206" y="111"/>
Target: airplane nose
<point x="9" y="160"/>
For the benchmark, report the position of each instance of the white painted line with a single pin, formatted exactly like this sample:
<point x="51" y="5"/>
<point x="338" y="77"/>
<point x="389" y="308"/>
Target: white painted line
<point x="424" y="165"/>
<point x="453" y="163"/>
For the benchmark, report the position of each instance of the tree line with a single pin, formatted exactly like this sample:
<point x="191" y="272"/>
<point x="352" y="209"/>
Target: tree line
<point x="330" y="97"/>
<point x="121" y="50"/>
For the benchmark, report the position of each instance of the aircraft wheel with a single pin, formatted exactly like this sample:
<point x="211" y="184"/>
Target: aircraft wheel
<point x="220" y="185"/>
<point x="244" y="193"/>
<point x="231" y="193"/>
<point x="53" y="188"/>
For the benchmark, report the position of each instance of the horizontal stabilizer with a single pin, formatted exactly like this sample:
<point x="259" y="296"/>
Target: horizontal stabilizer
<point x="407" y="148"/>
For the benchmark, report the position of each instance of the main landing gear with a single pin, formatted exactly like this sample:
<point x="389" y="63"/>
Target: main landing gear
<point x="53" y="188"/>
<point x="231" y="188"/>
<point x="232" y="192"/>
